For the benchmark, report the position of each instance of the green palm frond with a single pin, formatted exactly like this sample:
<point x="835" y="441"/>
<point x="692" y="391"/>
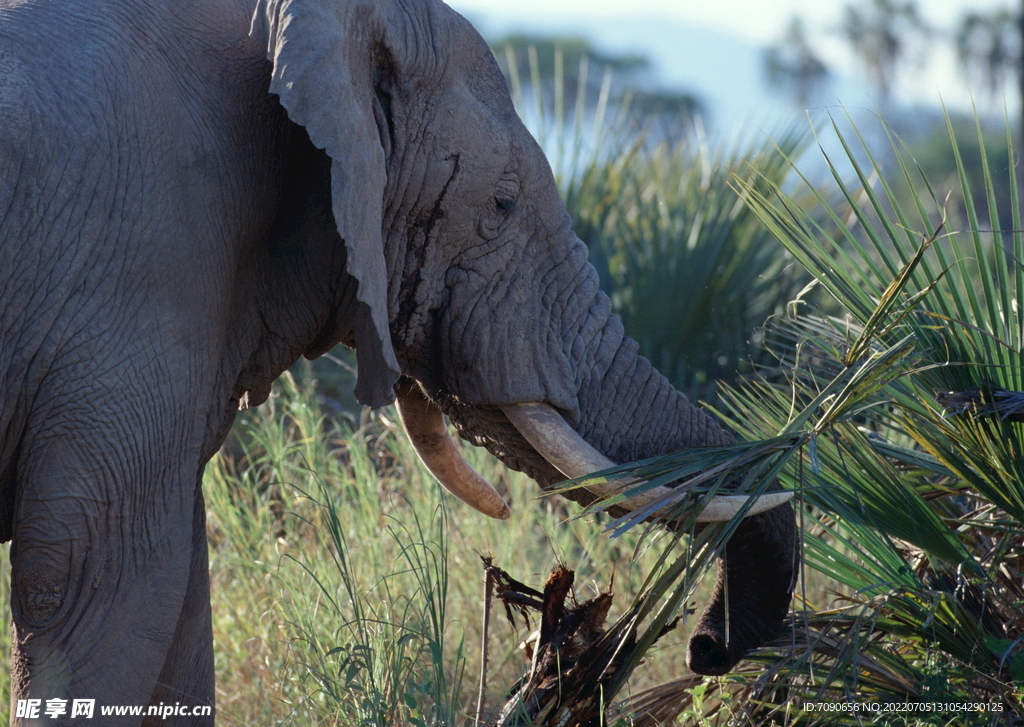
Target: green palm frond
<point x="893" y="409"/>
<point x="919" y="500"/>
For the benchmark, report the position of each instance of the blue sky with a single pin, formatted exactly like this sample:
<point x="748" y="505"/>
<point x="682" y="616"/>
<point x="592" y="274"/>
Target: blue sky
<point x="712" y="46"/>
<point x="758" y="20"/>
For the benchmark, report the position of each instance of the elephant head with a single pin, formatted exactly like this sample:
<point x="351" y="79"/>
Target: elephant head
<point x="194" y="194"/>
<point x="472" y="285"/>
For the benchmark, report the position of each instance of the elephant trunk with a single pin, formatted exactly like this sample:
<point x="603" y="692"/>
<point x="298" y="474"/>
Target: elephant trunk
<point x="755" y="580"/>
<point x="629" y="411"/>
<point x="562" y="346"/>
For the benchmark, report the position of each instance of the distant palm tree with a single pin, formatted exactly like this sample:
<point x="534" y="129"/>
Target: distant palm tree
<point x="792" y="65"/>
<point x="990" y="48"/>
<point x="879" y="35"/>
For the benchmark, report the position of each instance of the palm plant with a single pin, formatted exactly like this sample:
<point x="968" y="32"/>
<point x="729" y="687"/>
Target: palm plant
<point x="936" y="597"/>
<point x="899" y="421"/>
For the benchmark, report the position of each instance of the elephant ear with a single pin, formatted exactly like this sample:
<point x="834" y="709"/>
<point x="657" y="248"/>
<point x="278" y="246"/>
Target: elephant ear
<point x="323" y="74"/>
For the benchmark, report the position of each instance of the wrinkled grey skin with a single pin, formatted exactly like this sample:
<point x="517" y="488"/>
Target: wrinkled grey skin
<point x="172" y="237"/>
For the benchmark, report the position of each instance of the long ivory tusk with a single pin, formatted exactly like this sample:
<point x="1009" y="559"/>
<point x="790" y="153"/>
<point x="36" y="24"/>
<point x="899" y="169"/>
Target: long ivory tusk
<point x="570" y="454"/>
<point x="429" y="436"/>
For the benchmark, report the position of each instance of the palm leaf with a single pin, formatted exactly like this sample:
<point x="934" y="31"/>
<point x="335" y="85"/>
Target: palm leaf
<point x="912" y="508"/>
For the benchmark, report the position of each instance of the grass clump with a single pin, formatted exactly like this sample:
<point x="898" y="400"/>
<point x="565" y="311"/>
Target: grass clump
<point x="347" y="592"/>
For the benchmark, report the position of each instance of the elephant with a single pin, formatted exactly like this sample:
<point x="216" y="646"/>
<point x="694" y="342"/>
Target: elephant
<point x="195" y="194"/>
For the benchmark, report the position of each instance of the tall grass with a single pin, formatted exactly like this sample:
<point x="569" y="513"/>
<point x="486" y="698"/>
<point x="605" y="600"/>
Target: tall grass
<point x="348" y="586"/>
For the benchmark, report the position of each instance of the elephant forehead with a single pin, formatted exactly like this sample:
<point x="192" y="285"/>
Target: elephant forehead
<point x="463" y="116"/>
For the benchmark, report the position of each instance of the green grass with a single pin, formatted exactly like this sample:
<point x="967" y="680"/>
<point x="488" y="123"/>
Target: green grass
<point x="347" y="585"/>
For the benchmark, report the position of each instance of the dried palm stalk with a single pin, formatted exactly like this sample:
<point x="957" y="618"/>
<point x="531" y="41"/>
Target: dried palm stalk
<point x="575" y="660"/>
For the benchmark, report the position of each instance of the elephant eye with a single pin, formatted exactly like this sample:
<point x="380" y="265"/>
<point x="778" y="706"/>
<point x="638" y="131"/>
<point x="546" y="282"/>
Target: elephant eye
<point x="505" y="204"/>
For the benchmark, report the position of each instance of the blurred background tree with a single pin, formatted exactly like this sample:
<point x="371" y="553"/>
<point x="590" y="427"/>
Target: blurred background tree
<point x="792" y="66"/>
<point x="988" y="47"/>
<point x="886" y="35"/>
<point x="574" y="76"/>
<point x="881" y="34"/>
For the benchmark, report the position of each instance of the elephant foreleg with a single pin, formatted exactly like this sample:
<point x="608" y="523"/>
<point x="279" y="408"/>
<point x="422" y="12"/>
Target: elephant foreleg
<point x="108" y="541"/>
<point x="187" y="681"/>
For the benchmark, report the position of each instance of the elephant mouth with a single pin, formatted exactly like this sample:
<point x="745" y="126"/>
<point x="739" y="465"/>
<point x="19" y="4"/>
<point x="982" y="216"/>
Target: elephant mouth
<point x="558" y="444"/>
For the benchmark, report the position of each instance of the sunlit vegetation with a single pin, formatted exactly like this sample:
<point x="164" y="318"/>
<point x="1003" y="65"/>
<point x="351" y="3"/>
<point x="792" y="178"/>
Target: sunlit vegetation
<point x="889" y="394"/>
<point x="900" y="419"/>
<point x="348" y="587"/>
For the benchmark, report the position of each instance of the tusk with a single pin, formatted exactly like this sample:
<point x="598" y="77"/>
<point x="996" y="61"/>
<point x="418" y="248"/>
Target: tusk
<point x="723" y="508"/>
<point x="425" y="427"/>
<point x="570" y="454"/>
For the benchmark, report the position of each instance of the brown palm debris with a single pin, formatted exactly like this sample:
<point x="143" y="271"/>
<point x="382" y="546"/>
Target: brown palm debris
<point x="515" y="596"/>
<point x="575" y="660"/>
